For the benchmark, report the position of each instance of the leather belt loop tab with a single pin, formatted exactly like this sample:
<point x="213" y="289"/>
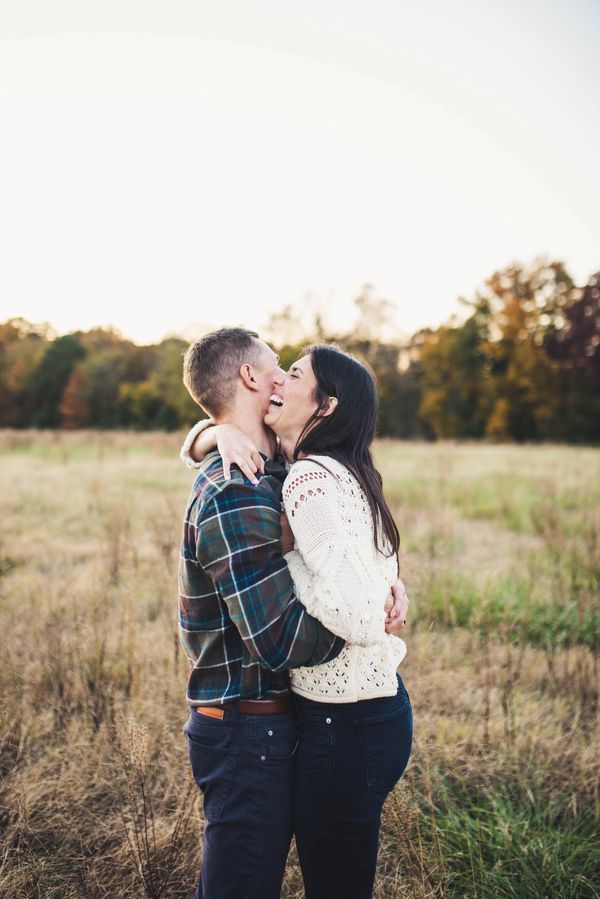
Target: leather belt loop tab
<point x="211" y="711"/>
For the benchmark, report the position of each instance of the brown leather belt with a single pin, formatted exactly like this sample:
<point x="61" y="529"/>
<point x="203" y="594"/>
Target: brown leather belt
<point x="249" y="707"/>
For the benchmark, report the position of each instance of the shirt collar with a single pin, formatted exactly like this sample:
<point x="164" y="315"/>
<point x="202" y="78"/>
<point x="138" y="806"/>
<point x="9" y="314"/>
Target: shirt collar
<point x="275" y="467"/>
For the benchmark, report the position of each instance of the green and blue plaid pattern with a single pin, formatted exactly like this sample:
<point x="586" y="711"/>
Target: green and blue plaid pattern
<point x="240" y="622"/>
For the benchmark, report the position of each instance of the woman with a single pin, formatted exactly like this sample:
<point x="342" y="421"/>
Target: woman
<point x="356" y="715"/>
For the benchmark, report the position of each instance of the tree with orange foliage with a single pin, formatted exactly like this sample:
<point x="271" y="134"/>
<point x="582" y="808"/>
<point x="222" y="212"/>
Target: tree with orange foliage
<point x="74" y="409"/>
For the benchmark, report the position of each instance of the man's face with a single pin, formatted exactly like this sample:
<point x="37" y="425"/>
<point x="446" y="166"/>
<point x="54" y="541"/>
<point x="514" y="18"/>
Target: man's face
<point x="268" y="374"/>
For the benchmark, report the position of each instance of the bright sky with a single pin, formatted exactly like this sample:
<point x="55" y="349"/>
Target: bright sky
<point x="167" y="166"/>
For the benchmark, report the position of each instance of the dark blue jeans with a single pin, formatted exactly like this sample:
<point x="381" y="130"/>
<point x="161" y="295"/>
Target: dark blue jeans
<point x="243" y="765"/>
<point x="350" y="757"/>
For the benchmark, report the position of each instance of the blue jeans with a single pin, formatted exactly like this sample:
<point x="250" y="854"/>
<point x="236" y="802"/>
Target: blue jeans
<point x="350" y="757"/>
<point x="243" y="765"/>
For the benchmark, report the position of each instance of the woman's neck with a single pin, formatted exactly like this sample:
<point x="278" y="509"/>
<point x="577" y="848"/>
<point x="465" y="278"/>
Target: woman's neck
<point x="288" y="444"/>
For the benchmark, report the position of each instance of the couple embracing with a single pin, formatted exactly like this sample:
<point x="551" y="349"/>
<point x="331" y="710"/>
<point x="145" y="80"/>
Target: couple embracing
<point x="298" y="720"/>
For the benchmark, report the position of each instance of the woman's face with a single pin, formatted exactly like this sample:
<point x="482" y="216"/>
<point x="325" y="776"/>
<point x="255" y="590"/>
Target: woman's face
<point x="293" y="404"/>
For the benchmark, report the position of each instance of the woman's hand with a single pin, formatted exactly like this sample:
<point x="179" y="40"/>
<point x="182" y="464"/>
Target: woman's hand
<point x="287" y="538"/>
<point x="396" y="608"/>
<point x="237" y="449"/>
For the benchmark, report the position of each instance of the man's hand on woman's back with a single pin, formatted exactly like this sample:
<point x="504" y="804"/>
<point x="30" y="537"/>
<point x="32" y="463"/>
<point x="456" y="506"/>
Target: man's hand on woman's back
<point x="397" y="610"/>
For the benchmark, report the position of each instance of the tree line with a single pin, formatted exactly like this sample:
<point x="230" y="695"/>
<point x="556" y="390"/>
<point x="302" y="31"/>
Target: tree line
<point x="523" y="364"/>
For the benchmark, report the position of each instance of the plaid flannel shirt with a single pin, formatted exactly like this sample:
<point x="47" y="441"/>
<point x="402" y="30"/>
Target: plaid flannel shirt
<point x="240" y="622"/>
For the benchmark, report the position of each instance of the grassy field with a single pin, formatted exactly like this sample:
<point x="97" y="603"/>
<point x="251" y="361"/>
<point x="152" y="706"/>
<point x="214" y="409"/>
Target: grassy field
<point x="501" y="557"/>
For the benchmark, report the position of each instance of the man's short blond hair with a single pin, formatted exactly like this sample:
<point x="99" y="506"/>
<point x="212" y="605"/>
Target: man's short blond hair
<point x="211" y="366"/>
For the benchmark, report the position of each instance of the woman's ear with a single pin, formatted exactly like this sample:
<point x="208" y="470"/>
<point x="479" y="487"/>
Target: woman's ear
<point x="247" y="376"/>
<point x="329" y="408"/>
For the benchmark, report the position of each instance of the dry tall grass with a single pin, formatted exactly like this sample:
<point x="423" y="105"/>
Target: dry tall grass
<point x="501" y="554"/>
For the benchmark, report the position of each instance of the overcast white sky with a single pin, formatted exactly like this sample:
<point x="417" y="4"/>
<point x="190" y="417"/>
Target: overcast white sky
<point x="166" y="166"/>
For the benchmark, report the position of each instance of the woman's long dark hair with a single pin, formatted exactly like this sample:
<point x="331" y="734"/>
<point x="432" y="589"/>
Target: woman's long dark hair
<point x="346" y="434"/>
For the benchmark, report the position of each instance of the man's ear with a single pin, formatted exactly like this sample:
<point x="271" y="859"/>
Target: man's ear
<point x="329" y="408"/>
<point x="247" y="376"/>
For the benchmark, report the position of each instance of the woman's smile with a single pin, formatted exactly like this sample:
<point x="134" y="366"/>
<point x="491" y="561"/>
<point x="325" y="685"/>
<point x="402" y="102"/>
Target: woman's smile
<point x="291" y="406"/>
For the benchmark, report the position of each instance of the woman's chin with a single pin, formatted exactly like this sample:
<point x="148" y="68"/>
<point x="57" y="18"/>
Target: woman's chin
<point x="271" y="417"/>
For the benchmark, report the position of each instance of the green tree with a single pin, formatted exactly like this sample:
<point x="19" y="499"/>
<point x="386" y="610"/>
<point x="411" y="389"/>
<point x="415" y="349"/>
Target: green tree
<point x="140" y="406"/>
<point x="22" y="346"/>
<point x="573" y="341"/>
<point x="525" y="302"/>
<point x="50" y="379"/>
<point x="455" y="362"/>
<point x="178" y="408"/>
<point x="102" y="373"/>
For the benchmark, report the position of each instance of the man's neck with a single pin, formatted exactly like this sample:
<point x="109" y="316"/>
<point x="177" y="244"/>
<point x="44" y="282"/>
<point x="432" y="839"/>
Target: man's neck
<point x="248" y="422"/>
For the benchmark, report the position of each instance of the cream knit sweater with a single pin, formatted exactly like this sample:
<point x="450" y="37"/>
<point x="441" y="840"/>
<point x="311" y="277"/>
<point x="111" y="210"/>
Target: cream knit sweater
<point x="342" y="580"/>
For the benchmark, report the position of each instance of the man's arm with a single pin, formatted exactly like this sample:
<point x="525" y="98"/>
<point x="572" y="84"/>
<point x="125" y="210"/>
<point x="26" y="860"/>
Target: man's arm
<point x="237" y="543"/>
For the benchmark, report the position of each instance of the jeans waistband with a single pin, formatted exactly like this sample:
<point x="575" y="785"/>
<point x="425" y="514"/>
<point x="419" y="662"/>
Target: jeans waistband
<point x="380" y="705"/>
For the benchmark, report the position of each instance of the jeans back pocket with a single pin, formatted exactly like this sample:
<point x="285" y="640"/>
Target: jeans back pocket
<point x="213" y="761"/>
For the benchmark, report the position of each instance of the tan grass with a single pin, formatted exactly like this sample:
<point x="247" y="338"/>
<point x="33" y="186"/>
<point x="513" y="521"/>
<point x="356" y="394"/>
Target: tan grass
<point x="96" y="796"/>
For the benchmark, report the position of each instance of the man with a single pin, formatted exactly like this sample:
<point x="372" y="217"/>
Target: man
<point x="242" y="628"/>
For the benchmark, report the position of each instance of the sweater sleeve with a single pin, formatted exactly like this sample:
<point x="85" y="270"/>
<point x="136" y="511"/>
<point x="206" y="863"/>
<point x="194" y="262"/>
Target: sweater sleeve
<point x="184" y="453"/>
<point x="334" y="573"/>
